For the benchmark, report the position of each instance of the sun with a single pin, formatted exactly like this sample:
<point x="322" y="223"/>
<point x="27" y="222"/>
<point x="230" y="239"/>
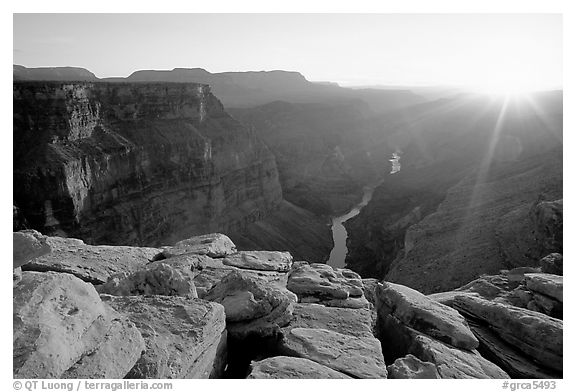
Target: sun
<point x="507" y="81"/>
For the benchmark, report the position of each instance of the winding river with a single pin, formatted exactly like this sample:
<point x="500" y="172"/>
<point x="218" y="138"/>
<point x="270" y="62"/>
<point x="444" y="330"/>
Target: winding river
<point x="339" y="234"/>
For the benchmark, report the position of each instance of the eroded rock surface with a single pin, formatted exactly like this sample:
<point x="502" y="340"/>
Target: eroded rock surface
<point x="547" y="284"/>
<point x="213" y="245"/>
<point x="27" y="245"/>
<point x="58" y="318"/>
<point x="452" y="362"/>
<point x="156" y="279"/>
<point x="185" y="338"/>
<point x="119" y="351"/>
<point x="354" y="322"/>
<point x="535" y="334"/>
<point x="358" y="357"/>
<point x="411" y="367"/>
<point x="292" y="368"/>
<point x="320" y="283"/>
<point x="260" y="260"/>
<point x="425" y="315"/>
<point x="253" y="307"/>
<point x="94" y="264"/>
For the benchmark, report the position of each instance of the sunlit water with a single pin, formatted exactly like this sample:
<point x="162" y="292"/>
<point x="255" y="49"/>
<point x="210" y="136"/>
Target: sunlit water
<point x="339" y="234"/>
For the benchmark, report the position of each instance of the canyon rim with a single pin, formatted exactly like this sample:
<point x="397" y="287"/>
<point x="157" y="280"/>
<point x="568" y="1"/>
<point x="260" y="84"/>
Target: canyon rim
<point x="265" y="212"/>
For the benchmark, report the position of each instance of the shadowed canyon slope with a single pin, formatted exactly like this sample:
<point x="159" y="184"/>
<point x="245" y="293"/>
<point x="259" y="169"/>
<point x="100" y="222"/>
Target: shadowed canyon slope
<point x="320" y="150"/>
<point x="141" y="164"/>
<point x="471" y="168"/>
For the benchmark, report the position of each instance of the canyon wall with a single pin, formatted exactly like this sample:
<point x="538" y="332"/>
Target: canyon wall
<point x="136" y="163"/>
<point x="465" y="201"/>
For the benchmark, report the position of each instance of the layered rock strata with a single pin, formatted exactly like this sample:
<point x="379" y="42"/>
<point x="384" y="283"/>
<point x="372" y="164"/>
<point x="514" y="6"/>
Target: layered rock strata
<point x="517" y="318"/>
<point x="145" y="164"/>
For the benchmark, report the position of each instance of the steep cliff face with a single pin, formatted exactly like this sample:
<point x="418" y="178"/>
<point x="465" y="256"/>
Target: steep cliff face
<point x="139" y="164"/>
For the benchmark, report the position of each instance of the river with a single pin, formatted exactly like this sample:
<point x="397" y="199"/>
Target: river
<point x="339" y="234"/>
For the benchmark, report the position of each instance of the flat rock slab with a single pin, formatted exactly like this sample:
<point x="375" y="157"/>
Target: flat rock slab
<point x="28" y="245"/>
<point x="213" y="245"/>
<point x="425" y="315"/>
<point x="358" y="357"/>
<point x="410" y="367"/>
<point x="182" y="335"/>
<point x="260" y="260"/>
<point x="114" y="357"/>
<point x="354" y="322"/>
<point x="536" y="334"/>
<point x="57" y="319"/>
<point x="452" y="362"/>
<point x="93" y="264"/>
<point x="547" y="284"/>
<point x="324" y="283"/>
<point x="253" y="306"/>
<point x="292" y="368"/>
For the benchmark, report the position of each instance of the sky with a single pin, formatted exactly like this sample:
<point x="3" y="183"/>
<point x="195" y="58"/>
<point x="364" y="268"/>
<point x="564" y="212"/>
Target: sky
<point x="478" y="50"/>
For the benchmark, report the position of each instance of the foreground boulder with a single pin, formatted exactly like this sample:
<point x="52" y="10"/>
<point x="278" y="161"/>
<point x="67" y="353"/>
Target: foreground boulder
<point x="185" y="338"/>
<point x="58" y="318"/>
<point x="213" y="245"/>
<point x="156" y="279"/>
<point x="252" y="305"/>
<point x="399" y="340"/>
<point x="260" y="260"/>
<point x="93" y="264"/>
<point x="417" y="311"/>
<point x="358" y="357"/>
<point x="27" y="245"/>
<point x="535" y="334"/>
<point x="411" y="367"/>
<point x="292" y="368"/>
<point x="320" y="283"/>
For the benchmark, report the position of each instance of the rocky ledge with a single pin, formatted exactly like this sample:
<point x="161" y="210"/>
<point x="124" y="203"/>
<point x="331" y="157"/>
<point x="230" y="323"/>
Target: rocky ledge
<point x="201" y="309"/>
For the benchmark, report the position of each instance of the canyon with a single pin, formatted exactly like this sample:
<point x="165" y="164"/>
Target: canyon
<point x="269" y="217"/>
<point x="155" y="158"/>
